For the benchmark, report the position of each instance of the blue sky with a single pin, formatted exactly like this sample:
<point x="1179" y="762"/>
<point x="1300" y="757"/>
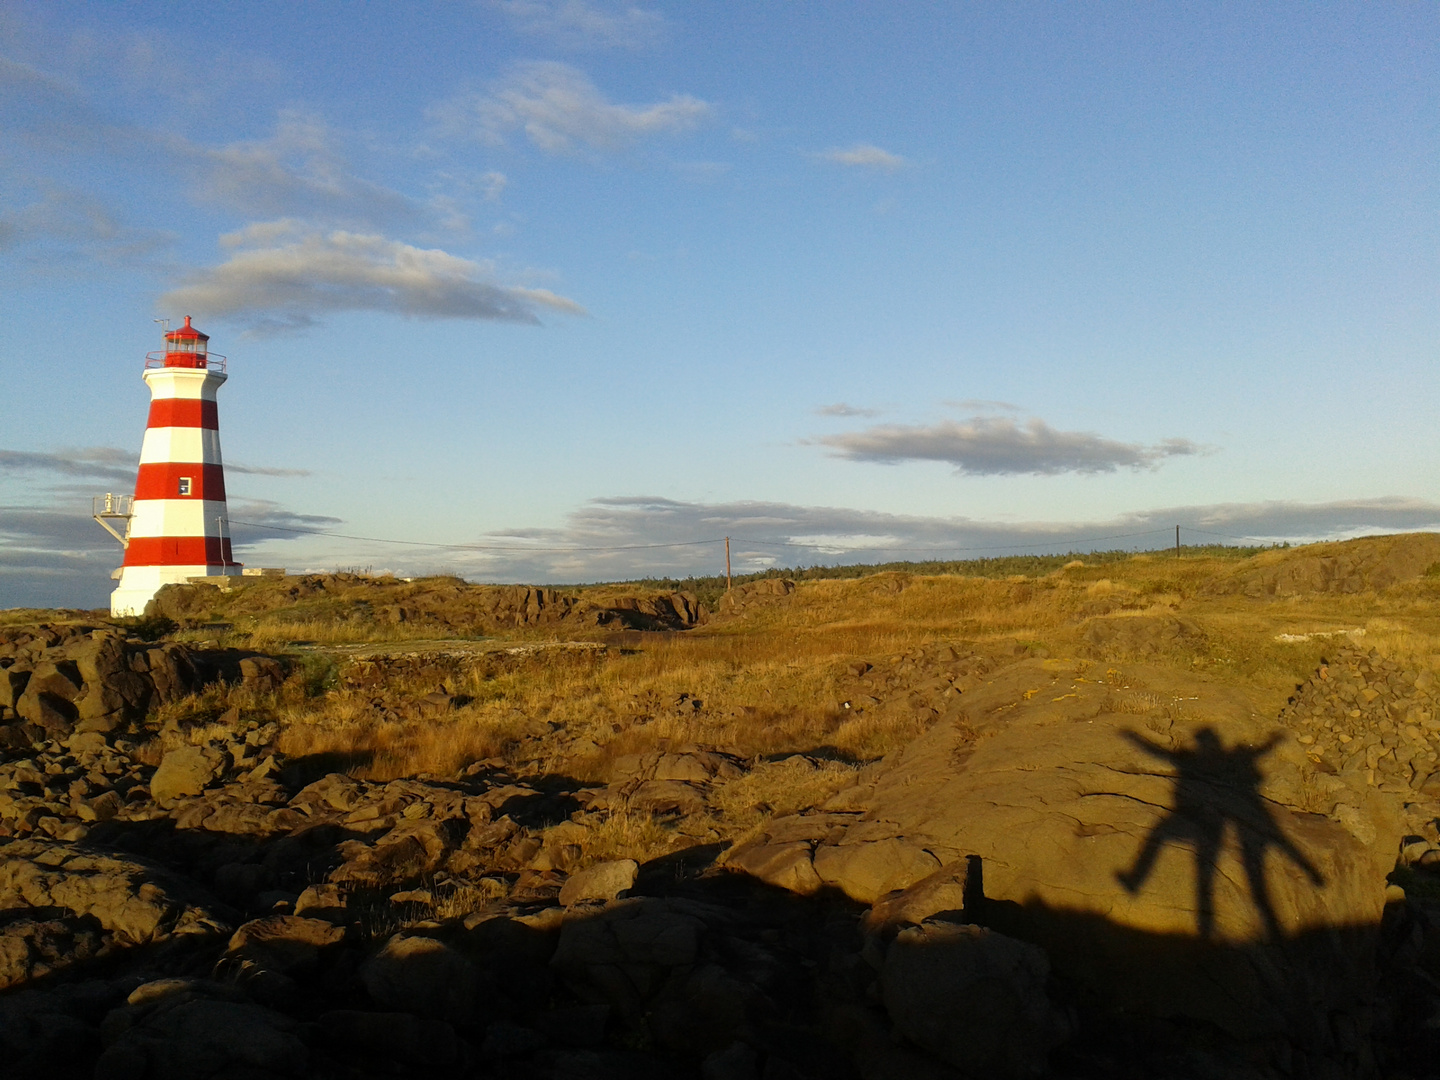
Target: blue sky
<point x="526" y="277"/>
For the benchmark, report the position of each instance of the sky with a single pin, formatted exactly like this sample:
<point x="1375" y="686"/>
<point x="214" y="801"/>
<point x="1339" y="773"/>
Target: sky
<point x="569" y="290"/>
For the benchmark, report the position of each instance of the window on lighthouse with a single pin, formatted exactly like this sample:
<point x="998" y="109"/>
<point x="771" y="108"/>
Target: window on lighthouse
<point x="184" y="485"/>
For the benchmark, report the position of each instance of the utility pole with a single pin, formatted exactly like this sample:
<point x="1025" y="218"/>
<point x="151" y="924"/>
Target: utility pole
<point x="727" y="564"/>
<point x="1177" y="541"/>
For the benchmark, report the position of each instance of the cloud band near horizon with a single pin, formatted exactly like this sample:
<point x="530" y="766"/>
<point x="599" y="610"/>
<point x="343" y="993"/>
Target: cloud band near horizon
<point x="999" y="445"/>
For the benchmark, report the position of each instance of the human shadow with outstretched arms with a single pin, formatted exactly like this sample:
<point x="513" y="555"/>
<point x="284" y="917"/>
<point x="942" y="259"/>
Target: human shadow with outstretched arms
<point x="1216" y="788"/>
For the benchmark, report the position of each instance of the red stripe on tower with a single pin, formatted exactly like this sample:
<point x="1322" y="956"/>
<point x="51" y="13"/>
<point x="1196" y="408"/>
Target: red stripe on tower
<point x="180" y="550"/>
<point x="179" y="524"/>
<point x="184" y="412"/>
<point x="180" y="480"/>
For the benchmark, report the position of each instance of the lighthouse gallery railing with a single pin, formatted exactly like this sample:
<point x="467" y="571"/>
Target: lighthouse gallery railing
<point x="212" y="361"/>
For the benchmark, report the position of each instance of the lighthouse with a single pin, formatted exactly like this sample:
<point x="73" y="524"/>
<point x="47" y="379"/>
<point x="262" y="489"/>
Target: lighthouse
<point x="177" y="526"/>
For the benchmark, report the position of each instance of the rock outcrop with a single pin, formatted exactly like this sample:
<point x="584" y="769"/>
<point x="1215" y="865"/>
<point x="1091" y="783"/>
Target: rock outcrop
<point x="445" y="606"/>
<point x="1174" y="853"/>
<point x="1373" y="563"/>
<point x="55" y="680"/>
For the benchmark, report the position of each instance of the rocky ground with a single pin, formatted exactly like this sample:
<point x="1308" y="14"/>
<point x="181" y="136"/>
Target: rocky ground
<point x="1082" y="867"/>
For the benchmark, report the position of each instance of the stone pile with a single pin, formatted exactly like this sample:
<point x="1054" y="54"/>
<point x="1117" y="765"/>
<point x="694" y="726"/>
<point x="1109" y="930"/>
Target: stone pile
<point x="1369" y="721"/>
<point x="1363" y="713"/>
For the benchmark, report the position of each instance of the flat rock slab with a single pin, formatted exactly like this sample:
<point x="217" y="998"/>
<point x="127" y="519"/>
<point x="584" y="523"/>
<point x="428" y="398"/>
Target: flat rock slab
<point x="130" y="898"/>
<point x="1172" y="850"/>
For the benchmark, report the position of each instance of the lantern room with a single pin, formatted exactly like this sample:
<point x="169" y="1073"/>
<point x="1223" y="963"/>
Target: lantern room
<point x="186" y="347"/>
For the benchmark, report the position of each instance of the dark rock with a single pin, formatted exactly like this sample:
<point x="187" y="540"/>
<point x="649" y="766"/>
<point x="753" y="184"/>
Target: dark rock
<point x="181" y="1039"/>
<point x="399" y="1036"/>
<point x="972" y="997"/>
<point x="423" y="976"/>
<point x="284" y="943"/>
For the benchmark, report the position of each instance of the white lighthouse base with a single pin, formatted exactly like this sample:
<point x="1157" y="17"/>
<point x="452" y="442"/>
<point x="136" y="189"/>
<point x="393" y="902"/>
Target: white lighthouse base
<point x="139" y="584"/>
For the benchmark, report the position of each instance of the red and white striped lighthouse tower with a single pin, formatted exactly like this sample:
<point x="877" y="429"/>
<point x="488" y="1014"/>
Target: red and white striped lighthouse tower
<point x="179" y="527"/>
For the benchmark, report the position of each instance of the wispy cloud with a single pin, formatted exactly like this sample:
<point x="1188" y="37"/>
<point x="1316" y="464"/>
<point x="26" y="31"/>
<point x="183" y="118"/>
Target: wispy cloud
<point x="48" y="557"/>
<point x="96" y="462"/>
<point x="981" y="405"/>
<point x="493" y="185"/>
<point x="585" y="24"/>
<point x="994" y="446"/>
<point x="559" y="109"/>
<point x="281" y="274"/>
<point x="843" y="410"/>
<point x="107" y="463"/>
<point x="864" y="156"/>
<point x="56" y="555"/>
<point x="75" y="226"/>
<point x="253" y="521"/>
<point x="763" y="534"/>
<point x="299" y="171"/>
<point x="262" y="470"/>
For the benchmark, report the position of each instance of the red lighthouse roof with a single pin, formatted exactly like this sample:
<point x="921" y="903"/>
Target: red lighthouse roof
<point x="186" y="333"/>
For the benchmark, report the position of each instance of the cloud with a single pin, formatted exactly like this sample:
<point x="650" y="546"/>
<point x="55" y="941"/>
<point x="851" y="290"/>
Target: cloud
<point x="49" y="558"/>
<point x="626" y="537"/>
<point x="298" y="171"/>
<point x="978" y="405"/>
<point x="584" y="24"/>
<point x="864" y="156"/>
<point x="841" y="409"/>
<point x="57" y="556"/>
<point x="97" y="462"/>
<point x="262" y="470"/>
<point x="559" y="109"/>
<point x="281" y="274"/>
<point x="997" y="446"/>
<point x="77" y="227"/>
<point x="492" y="185"/>
<point x="253" y="521"/>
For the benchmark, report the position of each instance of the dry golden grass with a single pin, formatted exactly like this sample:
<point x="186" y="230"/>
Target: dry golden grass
<point x="625" y="835"/>
<point x="767" y="680"/>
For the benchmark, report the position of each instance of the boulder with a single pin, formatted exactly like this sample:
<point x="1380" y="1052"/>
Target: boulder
<point x="867" y="871"/>
<point x="284" y="943"/>
<point x="261" y="673"/>
<point x="972" y="997"/>
<point x="623" y="954"/>
<point x="603" y="881"/>
<point x="33" y="948"/>
<point x="786" y="866"/>
<point x="185" y="771"/>
<point x="189" y="1034"/>
<point x="423" y="976"/>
